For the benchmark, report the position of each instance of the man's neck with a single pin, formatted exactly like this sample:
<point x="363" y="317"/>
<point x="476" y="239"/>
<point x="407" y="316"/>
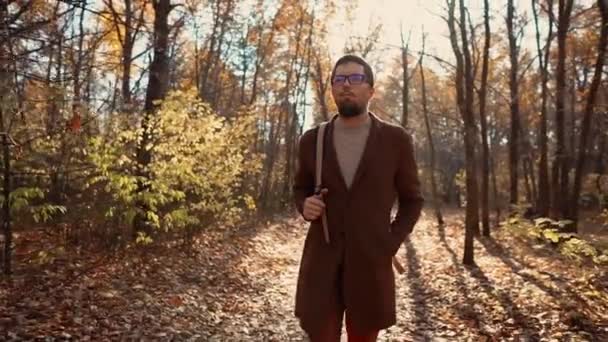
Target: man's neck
<point x="354" y="121"/>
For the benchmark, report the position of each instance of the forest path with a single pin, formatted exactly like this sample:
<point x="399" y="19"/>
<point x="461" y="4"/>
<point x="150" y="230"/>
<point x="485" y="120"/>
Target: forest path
<point x="239" y="286"/>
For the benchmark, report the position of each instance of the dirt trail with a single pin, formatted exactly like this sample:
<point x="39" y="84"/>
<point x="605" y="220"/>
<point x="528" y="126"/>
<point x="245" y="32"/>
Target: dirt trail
<point x="240" y="286"/>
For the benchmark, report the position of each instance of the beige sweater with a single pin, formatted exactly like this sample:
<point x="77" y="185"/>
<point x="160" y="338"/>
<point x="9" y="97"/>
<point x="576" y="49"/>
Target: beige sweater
<point x="350" y="144"/>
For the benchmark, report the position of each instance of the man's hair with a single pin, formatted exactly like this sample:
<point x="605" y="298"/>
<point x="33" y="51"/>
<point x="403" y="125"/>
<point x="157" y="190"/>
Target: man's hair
<point x="369" y="74"/>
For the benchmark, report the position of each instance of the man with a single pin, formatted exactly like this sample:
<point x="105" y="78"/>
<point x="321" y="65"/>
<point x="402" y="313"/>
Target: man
<point x="367" y="164"/>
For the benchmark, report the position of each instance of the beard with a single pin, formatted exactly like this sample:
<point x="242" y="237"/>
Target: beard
<point x="349" y="109"/>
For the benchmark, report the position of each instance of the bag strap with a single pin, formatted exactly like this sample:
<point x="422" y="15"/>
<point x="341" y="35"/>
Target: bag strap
<point x="319" y="158"/>
<point x="318" y="174"/>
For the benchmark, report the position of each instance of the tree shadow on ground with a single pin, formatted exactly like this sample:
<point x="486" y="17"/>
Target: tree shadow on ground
<point x="418" y="292"/>
<point x="467" y="312"/>
<point x="558" y="287"/>
<point x="444" y="242"/>
<point x="520" y="320"/>
<point x="532" y="333"/>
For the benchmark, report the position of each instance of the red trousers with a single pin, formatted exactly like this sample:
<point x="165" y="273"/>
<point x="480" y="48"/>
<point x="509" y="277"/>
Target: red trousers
<point x="333" y="328"/>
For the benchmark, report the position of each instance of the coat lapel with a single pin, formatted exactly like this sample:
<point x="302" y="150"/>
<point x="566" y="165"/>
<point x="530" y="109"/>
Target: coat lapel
<point x="369" y="150"/>
<point x="332" y="167"/>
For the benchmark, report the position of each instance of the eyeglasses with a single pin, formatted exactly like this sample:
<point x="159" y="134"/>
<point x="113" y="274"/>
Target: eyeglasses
<point x="353" y="79"/>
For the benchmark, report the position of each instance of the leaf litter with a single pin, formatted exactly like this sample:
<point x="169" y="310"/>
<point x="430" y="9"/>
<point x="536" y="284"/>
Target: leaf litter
<point x="239" y="285"/>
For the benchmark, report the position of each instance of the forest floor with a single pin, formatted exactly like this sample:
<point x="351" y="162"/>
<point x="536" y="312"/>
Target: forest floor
<point x="239" y="286"/>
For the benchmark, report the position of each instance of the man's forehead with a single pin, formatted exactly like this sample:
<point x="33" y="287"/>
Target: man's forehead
<point x="349" y="67"/>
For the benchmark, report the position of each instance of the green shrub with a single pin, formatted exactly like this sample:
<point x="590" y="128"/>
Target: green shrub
<point x="200" y="161"/>
<point x="550" y="232"/>
<point x="30" y="202"/>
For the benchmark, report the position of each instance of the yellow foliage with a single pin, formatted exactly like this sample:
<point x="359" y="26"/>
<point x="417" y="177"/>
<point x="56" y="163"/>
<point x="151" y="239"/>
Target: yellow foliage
<point x="199" y="166"/>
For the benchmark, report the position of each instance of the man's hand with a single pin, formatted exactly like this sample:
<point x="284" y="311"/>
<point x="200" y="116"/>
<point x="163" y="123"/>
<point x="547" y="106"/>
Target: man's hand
<point x="314" y="206"/>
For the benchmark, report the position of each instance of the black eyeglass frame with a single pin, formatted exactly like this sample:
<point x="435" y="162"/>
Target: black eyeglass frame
<point x="353" y="79"/>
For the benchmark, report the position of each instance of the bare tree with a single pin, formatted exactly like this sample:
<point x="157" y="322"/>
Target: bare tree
<point x="544" y="198"/>
<point x="589" y="109"/>
<point x="425" y="111"/>
<point x="464" y="91"/>
<point x="157" y="88"/>
<point x="514" y="104"/>
<point x="263" y="51"/>
<point x="321" y="81"/>
<point x="485" y="157"/>
<point x="222" y="18"/>
<point x="300" y="67"/>
<point x="128" y="26"/>
<point x="405" y="98"/>
<point x="560" y="167"/>
<point x="364" y="46"/>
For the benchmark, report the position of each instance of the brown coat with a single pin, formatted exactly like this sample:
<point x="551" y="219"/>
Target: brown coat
<point x="362" y="236"/>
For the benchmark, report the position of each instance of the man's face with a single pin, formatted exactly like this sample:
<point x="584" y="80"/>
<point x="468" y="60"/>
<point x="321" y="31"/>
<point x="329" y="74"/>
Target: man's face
<point x="351" y="98"/>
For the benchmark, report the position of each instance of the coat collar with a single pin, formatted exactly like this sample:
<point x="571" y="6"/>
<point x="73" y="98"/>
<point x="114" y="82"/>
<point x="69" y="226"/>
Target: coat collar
<point x="333" y="167"/>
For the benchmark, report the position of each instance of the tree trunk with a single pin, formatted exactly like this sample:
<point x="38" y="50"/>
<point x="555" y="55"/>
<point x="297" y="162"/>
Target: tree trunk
<point x="127" y="53"/>
<point x="5" y="86"/>
<point x="213" y="92"/>
<point x="157" y="87"/>
<point x="290" y="108"/>
<point x="197" y="60"/>
<point x="54" y="86"/>
<point x="6" y="207"/>
<point x="436" y="200"/>
<point x="57" y="101"/>
<point x="244" y="64"/>
<point x="268" y="162"/>
<point x="256" y="71"/>
<point x="495" y="190"/>
<point x="464" y="91"/>
<point x="127" y="30"/>
<point x="77" y="63"/>
<point x="485" y="158"/>
<point x="6" y="189"/>
<point x="405" y="98"/>
<point x="560" y="176"/>
<point x="570" y="128"/>
<point x="290" y="140"/>
<point x="261" y="54"/>
<point x="321" y="84"/>
<point x="527" y="170"/>
<point x="533" y="181"/>
<point x="543" y="204"/>
<point x="51" y="105"/>
<point x="601" y="150"/>
<point x="493" y="138"/>
<point x="514" y="106"/>
<point x="301" y="86"/>
<point x="204" y="92"/>
<point x="272" y="151"/>
<point x="472" y="219"/>
<point x="589" y="106"/>
<point x="89" y="90"/>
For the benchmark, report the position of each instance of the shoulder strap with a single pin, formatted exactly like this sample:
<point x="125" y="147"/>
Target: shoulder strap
<point x="319" y="156"/>
<point x="319" y="168"/>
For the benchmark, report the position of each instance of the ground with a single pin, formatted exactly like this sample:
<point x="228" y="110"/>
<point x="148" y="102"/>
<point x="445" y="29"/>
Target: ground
<point x="238" y="285"/>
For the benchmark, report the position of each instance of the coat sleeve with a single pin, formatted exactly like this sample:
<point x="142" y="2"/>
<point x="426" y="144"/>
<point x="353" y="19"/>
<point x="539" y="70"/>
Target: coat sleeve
<point x="408" y="191"/>
<point x="304" y="181"/>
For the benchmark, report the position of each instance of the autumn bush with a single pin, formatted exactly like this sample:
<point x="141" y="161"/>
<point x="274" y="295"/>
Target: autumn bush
<point x="553" y="233"/>
<point x="200" y="163"/>
<point x="201" y="173"/>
